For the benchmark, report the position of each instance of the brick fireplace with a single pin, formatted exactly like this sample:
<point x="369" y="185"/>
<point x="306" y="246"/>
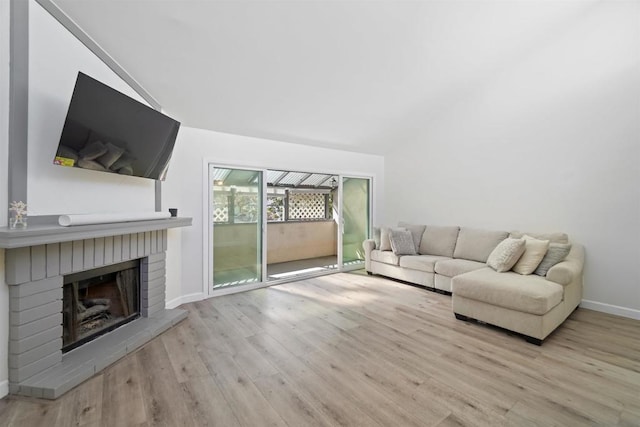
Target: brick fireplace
<point x="35" y="274"/>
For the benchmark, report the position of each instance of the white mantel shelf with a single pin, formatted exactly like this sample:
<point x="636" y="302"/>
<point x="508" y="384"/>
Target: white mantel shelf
<point x="43" y="234"/>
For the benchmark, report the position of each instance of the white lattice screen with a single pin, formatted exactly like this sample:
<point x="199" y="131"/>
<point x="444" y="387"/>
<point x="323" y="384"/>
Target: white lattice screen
<point x="302" y="206"/>
<point x="221" y="208"/>
<point x="306" y="206"/>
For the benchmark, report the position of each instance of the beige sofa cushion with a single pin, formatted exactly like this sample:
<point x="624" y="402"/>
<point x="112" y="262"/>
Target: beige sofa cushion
<point x="534" y="251"/>
<point x="453" y="267"/>
<point x="476" y="245"/>
<point x="386" y="257"/>
<point x="556" y="237"/>
<point x="529" y="294"/>
<point x="425" y="263"/>
<point x="439" y="240"/>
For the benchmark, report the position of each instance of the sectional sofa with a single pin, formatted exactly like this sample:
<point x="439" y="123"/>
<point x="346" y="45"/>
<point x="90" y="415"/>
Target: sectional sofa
<point x="453" y="260"/>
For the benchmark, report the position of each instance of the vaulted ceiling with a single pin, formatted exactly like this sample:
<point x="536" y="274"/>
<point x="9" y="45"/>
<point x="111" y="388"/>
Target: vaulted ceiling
<point x="359" y="75"/>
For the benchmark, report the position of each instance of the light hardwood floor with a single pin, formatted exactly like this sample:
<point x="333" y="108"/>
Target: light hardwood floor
<point x="349" y="349"/>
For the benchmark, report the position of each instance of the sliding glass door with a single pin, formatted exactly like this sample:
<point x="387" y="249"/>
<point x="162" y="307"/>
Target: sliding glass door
<point x="237" y="226"/>
<point x="276" y="225"/>
<point x="356" y="219"/>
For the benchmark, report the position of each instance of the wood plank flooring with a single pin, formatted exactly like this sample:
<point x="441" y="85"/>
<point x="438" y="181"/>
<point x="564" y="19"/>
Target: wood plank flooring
<point x="353" y="350"/>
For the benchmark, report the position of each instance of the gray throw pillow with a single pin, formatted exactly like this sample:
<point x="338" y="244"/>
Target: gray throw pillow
<point x="556" y="253"/>
<point x="90" y="164"/>
<point x="93" y="150"/>
<point x="506" y="254"/>
<point x="416" y="232"/>
<point x="109" y="158"/>
<point x="402" y="242"/>
<point x="125" y="170"/>
<point x="125" y="161"/>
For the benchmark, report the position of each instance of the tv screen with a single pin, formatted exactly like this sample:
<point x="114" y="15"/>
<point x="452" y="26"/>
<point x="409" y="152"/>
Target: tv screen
<point x="108" y="131"/>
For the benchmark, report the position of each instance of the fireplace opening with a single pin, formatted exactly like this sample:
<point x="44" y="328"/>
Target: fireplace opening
<point x="97" y="301"/>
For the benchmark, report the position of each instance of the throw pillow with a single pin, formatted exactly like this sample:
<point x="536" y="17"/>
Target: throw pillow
<point x="557" y="253"/>
<point x="109" y="158"/>
<point x="402" y="242"/>
<point x="93" y="150"/>
<point x="90" y="164"/>
<point x="385" y="235"/>
<point x="125" y="170"/>
<point x="125" y="161"/>
<point x="416" y="232"/>
<point x="506" y="254"/>
<point x="534" y="251"/>
<point x="385" y="243"/>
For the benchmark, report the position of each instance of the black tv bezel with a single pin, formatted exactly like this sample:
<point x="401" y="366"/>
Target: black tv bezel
<point x="157" y="168"/>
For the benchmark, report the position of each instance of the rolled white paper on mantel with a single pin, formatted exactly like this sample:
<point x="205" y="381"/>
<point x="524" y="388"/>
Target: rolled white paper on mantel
<point x="86" y="219"/>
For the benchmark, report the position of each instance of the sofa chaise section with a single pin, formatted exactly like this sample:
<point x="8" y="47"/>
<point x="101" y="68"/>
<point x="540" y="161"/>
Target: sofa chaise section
<point x="531" y="305"/>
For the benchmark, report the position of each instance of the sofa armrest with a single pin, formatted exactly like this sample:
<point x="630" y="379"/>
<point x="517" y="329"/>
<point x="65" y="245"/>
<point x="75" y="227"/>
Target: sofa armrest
<point x="570" y="269"/>
<point x="368" y="246"/>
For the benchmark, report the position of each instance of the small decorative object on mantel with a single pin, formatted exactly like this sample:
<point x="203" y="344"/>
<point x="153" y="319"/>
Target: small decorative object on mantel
<point x="17" y="214"/>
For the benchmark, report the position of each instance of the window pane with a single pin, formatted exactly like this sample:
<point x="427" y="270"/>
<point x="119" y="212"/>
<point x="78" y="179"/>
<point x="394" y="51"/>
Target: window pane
<point x="355" y="195"/>
<point x="275" y="208"/>
<point x="237" y="230"/>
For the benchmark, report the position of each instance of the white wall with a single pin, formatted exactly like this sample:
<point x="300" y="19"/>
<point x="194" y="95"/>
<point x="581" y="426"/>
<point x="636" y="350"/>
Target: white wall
<point x="55" y="57"/>
<point x="4" y="203"/>
<point x="551" y="141"/>
<point x="185" y="186"/>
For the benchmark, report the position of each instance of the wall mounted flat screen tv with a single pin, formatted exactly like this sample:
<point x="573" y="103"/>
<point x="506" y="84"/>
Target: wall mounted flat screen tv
<point x="108" y="131"/>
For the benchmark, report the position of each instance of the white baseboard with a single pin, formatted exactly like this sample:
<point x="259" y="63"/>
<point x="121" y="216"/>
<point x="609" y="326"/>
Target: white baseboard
<point x="611" y="309"/>
<point x="198" y="296"/>
<point x="4" y="388"/>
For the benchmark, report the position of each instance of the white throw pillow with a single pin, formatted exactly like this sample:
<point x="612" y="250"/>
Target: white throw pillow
<point x="385" y="244"/>
<point x="385" y="233"/>
<point x="534" y="251"/>
<point x="506" y="254"/>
